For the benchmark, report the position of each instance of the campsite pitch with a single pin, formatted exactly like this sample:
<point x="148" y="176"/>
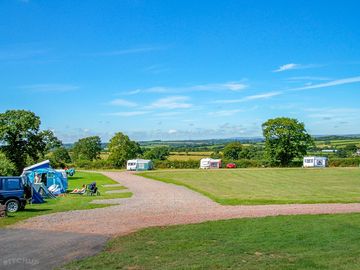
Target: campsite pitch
<point x="268" y="186"/>
<point x="71" y="201"/>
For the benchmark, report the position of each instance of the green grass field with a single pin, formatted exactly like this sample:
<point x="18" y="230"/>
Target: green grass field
<point x="286" y="242"/>
<point x="69" y="201"/>
<point x="268" y="186"/>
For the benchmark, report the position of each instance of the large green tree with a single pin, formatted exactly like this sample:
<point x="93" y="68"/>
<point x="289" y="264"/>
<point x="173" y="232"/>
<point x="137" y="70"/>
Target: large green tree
<point x="233" y="150"/>
<point x="159" y="153"/>
<point x="21" y="138"/>
<point x="285" y="139"/>
<point x="121" y="149"/>
<point x="60" y="157"/>
<point x="88" y="148"/>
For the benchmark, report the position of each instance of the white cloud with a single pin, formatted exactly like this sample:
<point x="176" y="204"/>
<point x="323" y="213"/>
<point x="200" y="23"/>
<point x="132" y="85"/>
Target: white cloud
<point x="232" y="86"/>
<point x="331" y="83"/>
<point x="172" y="131"/>
<point x="131" y="113"/>
<point x="128" y="51"/>
<point x="225" y="112"/>
<point x="308" y="78"/>
<point x="174" y="102"/>
<point x="50" y="87"/>
<point x="249" y="98"/>
<point x="287" y="67"/>
<point x="122" y="102"/>
<point x="292" y="66"/>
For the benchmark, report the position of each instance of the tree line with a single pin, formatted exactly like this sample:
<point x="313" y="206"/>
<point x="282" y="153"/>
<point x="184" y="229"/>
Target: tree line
<point x="23" y="143"/>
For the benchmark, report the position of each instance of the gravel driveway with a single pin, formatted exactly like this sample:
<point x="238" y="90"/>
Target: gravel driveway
<point x="155" y="203"/>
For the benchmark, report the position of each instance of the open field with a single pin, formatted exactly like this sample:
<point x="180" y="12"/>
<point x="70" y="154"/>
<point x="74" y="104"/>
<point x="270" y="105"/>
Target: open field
<point x="286" y="242"/>
<point x="188" y="155"/>
<point x="268" y="186"/>
<point x="69" y="201"/>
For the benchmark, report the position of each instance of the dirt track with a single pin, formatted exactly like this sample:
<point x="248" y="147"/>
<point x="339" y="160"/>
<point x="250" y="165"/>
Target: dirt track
<point x="157" y="204"/>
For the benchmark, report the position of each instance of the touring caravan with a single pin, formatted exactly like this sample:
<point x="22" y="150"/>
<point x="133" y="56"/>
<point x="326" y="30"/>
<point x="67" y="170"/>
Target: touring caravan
<point x="139" y="165"/>
<point x="209" y="163"/>
<point x="315" y="162"/>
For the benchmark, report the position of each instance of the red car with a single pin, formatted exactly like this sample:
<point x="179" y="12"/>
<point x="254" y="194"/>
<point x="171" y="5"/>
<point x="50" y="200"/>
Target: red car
<point x="231" y="165"/>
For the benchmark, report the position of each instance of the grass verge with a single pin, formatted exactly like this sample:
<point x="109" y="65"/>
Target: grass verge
<point x="285" y="242"/>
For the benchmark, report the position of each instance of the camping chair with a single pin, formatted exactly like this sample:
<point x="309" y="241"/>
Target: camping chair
<point x="92" y="190"/>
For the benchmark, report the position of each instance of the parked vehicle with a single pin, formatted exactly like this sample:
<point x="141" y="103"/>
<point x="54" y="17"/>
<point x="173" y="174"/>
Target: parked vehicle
<point x="14" y="193"/>
<point x="231" y="165"/>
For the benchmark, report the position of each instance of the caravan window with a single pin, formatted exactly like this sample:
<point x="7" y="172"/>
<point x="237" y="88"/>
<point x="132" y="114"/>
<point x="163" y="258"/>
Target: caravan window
<point x="308" y="161"/>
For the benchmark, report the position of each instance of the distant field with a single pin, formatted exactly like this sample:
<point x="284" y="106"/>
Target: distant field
<point x="268" y="186"/>
<point x="338" y="143"/>
<point x="188" y="156"/>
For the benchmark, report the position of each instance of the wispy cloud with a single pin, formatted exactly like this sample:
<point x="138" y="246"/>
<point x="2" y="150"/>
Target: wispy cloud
<point x="308" y="78"/>
<point x="287" y="67"/>
<point x="173" y="102"/>
<point x="232" y="86"/>
<point x="329" y="84"/>
<point x="130" y="113"/>
<point x="122" y="102"/>
<point x="223" y="113"/>
<point x="21" y="54"/>
<point x="128" y="51"/>
<point x="50" y="87"/>
<point x="292" y="66"/>
<point x="250" y="98"/>
<point x="155" y="69"/>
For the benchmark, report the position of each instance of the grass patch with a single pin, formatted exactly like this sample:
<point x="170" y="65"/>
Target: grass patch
<point x="286" y="242"/>
<point x="69" y="201"/>
<point x="268" y="186"/>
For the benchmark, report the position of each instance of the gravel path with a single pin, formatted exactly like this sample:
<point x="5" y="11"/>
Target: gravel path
<point x="156" y="203"/>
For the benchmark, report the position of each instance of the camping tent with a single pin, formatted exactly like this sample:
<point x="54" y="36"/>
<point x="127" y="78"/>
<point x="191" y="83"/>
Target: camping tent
<point x="46" y="175"/>
<point x="209" y="163"/>
<point x="139" y="165"/>
<point x="315" y="162"/>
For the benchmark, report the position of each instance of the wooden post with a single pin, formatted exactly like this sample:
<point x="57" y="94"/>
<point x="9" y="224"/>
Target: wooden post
<point x="2" y="211"/>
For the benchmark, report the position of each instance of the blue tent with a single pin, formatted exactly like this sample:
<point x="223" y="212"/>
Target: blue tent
<point x="48" y="176"/>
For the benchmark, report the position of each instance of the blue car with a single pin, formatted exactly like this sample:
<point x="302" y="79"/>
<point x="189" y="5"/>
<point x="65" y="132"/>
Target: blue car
<point x="14" y="193"/>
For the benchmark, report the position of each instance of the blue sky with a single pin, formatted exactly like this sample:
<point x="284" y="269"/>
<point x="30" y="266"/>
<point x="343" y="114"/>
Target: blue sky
<point x="181" y="69"/>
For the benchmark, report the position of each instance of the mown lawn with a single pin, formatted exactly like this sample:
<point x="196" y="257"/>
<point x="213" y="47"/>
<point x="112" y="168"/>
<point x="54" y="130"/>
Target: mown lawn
<point x="268" y="186"/>
<point x="69" y="201"/>
<point x="286" y="242"/>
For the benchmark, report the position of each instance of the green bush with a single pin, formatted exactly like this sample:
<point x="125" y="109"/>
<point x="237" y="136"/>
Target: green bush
<point x="344" y="162"/>
<point x="95" y="164"/>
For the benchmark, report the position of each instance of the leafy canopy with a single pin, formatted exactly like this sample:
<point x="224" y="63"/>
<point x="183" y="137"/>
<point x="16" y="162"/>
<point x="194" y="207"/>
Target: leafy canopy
<point x="157" y="153"/>
<point x="21" y="138"/>
<point x="233" y="150"/>
<point x="88" y="148"/>
<point x="285" y="139"/>
<point x="121" y="149"/>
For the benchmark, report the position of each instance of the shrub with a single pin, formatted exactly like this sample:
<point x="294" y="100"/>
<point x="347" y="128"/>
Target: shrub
<point x="344" y="162"/>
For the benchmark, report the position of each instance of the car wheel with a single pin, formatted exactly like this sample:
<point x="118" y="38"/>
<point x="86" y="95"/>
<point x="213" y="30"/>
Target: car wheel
<point x="12" y="205"/>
